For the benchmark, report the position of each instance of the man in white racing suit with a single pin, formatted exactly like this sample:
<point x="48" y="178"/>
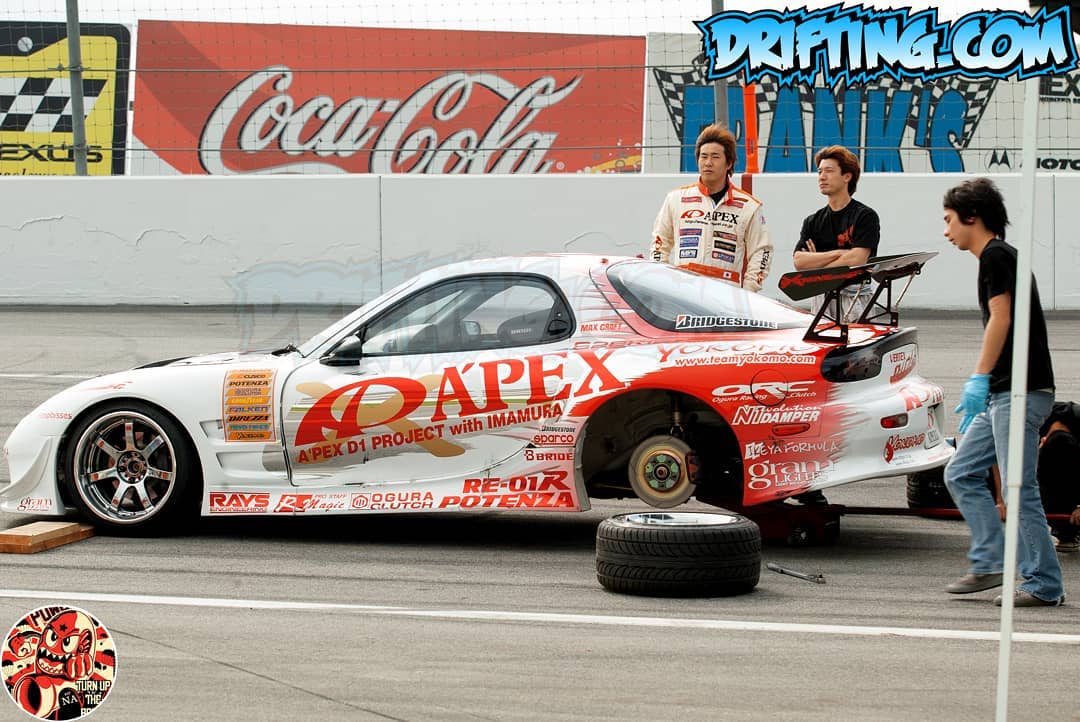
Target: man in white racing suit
<point x="713" y="227"/>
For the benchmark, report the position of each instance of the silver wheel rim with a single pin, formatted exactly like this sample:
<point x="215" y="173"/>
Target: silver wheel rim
<point x="125" y="467"/>
<point x="679" y="518"/>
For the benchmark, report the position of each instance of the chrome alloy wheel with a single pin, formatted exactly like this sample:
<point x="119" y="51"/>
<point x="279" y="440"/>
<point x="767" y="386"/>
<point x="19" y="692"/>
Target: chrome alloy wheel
<point x="124" y="467"/>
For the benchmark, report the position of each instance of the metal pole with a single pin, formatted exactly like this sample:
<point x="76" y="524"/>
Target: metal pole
<point x="78" y="117"/>
<point x="1021" y="323"/>
<point x="720" y="86"/>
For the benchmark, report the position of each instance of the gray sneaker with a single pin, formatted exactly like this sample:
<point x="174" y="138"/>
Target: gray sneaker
<point x="1066" y="547"/>
<point x="974" y="583"/>
<point x="1027" y="599"/>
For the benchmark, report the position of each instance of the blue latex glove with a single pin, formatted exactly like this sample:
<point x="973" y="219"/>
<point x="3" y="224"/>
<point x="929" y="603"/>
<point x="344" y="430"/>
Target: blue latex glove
<point x="973" y="399"/>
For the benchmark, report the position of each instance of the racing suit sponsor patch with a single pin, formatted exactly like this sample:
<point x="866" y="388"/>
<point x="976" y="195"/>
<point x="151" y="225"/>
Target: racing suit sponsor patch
<point x="687" y="253"/>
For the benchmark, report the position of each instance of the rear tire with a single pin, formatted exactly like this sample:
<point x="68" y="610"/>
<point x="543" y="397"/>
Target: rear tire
<point x="678" y="554"/>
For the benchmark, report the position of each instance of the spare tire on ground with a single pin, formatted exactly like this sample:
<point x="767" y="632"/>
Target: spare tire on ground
<point x="926" y="489"/>
<point x="678" y="554"/>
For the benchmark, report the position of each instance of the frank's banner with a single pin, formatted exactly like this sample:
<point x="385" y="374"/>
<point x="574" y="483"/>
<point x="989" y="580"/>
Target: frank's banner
<point x="221" y="99"/>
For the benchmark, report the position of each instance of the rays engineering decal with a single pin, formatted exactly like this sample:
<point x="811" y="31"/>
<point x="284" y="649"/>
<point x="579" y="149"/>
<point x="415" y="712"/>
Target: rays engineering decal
<point x="36" y="136"/>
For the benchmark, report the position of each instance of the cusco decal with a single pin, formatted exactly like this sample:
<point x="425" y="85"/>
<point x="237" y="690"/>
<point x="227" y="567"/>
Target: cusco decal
<point x="248" y="405"/>
<point x="343" y="420"/>
<point x="856" y="45"/>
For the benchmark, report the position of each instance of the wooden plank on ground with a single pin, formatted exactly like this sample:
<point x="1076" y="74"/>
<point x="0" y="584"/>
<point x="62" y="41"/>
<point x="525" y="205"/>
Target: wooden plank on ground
<point x="41" y="535"/>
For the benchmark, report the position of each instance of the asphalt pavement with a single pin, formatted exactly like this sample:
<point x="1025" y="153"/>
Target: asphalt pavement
<point x="499" y="615"/>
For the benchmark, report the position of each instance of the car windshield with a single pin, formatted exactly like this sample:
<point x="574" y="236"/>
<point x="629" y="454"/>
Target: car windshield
<point x="674" y="299"/>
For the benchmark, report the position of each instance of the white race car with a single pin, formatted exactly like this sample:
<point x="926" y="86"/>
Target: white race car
<point x="516" y="383"/>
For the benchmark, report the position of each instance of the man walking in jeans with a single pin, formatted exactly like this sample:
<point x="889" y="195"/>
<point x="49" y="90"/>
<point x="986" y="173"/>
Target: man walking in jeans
<point x="975" y="220"/>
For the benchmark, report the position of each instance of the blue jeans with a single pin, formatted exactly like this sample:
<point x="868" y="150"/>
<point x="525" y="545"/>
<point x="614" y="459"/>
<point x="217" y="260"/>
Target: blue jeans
<point x="986" y="443"/>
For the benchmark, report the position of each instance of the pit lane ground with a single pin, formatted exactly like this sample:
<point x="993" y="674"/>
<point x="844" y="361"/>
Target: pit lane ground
<point x="499" y="616"/>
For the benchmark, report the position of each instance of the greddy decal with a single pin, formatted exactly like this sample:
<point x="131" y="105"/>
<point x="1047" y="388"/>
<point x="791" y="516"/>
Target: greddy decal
<point x="36" y="124"/>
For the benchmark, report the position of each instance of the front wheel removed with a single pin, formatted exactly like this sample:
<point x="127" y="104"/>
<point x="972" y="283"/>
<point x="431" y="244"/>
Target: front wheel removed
<point x="678" y="554"/>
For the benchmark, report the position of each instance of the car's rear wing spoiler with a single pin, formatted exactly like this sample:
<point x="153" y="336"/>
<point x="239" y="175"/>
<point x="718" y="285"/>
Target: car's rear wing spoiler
<point x="800" y="285"/>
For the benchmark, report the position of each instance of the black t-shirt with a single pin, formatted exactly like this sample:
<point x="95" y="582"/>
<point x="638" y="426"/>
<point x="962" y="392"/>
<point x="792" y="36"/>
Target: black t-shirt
<point x="853" y="226"/>
<point x="997" y="275"/>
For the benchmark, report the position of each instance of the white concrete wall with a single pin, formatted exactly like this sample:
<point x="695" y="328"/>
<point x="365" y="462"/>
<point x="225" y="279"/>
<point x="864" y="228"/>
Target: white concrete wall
<point x="343" y="239"/>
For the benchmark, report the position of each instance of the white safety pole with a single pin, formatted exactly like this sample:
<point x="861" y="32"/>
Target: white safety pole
<point x="1021" y="328"/>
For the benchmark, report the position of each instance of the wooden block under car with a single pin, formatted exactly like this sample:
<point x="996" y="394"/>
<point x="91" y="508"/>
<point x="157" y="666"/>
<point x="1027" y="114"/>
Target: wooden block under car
<point x="41" y="535"/>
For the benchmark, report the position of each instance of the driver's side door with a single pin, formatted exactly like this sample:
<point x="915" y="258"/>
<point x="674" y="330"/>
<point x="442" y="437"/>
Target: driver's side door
<point x="419" y="392"/>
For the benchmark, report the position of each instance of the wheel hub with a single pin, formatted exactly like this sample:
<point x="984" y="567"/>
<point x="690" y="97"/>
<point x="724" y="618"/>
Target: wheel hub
<point x="662" y="472"/>
<point x="131" y="467"/>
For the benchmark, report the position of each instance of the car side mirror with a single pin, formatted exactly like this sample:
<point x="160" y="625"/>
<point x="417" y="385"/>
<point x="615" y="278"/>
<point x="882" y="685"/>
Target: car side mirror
<point x="347" y="353"/>
<point x="471" y="329"/>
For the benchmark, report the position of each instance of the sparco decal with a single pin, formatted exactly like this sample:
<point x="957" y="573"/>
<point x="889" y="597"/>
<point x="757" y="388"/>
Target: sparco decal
<point x="234" y="503"/>
<point x="899" y="443"/>
<point x="549" y="490"/>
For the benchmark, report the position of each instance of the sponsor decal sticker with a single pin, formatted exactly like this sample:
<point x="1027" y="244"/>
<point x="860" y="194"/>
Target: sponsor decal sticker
<point x="248" y="405"/>
<point x="724" y="246"/>
<point x="34" y="503"/>
<point x="222" y="502"/>
<point x="549" y="490"/>
<point x="897" y="443"/>
<point x="689" y="321"/>
<point x="59" y="662"/>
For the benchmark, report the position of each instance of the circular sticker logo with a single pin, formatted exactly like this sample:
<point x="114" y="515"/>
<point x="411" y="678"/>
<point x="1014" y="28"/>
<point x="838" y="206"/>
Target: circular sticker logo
<point x="59" y="663"/>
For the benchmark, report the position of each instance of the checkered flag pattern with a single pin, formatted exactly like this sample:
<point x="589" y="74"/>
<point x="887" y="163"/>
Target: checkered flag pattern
<point x="672" y="84"/>
<point x="42" y="105"/>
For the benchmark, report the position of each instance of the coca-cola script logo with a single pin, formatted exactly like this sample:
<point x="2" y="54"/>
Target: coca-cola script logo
<point x="259" y="115"/>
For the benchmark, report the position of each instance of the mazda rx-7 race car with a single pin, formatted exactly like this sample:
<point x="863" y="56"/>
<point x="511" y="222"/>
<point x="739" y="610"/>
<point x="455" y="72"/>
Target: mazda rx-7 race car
<point x="530" y="383"/>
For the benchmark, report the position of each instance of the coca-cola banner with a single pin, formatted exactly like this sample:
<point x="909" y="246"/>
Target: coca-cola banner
<point x="221" y="98"/>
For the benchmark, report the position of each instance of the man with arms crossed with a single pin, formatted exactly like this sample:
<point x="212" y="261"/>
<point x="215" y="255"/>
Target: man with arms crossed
<point x="843" y="233"/>
<point x="720" y="229"/>
<point x="975" y="220"/>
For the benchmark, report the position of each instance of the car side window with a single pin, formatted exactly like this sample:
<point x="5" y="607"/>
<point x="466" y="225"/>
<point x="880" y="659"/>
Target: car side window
<point x="470" y="314"/>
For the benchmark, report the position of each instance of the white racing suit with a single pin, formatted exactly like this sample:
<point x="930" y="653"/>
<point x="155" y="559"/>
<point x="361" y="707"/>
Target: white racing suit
<point x="728" y="240"/>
